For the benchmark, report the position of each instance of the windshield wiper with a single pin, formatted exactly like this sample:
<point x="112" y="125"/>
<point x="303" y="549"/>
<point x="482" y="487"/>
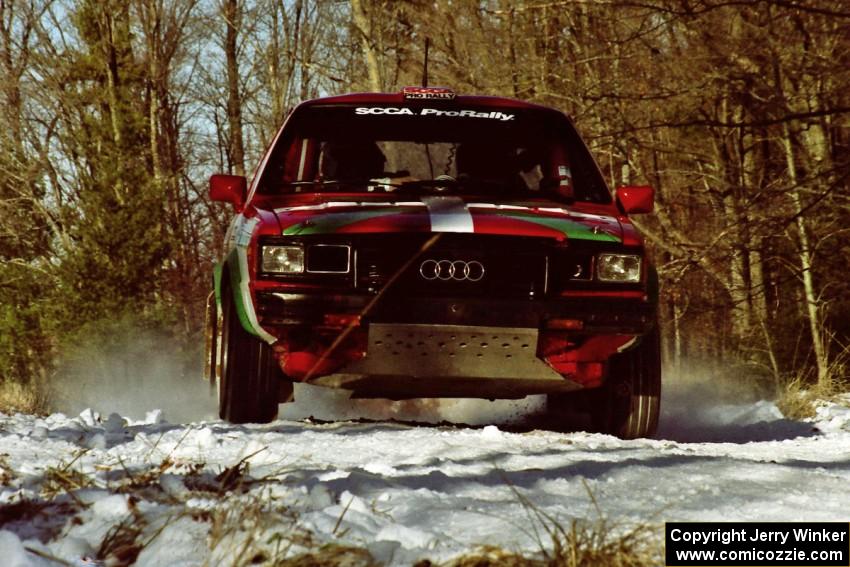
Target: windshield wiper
<point x="331" y="183"/>
<point x="440" y="183"/>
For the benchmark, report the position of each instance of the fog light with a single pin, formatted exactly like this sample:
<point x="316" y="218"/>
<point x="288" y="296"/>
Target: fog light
<point x="565" y="324"/>
<point x="341" y="320"/>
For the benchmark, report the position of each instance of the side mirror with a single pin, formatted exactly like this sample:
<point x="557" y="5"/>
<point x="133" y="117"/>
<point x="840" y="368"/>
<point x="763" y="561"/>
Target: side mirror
<point x="636" y="200"/>
<point x="229" y="189"/>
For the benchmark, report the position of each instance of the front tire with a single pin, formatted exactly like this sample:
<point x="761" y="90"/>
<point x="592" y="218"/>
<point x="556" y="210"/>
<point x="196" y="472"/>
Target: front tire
<point x="249" y="374"/>
<point x="628" y="404"/>
<point x="632" y="395"/>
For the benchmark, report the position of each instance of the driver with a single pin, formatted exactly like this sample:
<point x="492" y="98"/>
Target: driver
<point x="489" y="163"/>
<point x="352" y="161"/>
<point x="359" y="162"/>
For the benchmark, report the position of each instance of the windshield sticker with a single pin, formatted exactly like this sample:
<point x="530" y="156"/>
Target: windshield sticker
<point x="395" y="110"/>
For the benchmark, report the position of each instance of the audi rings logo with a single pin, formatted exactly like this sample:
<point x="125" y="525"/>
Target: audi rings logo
<point x="457" y="270"/>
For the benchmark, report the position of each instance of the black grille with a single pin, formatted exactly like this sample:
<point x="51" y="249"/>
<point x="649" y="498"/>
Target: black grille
<point x="328" y="258"/>
<point x="511" y="266"/>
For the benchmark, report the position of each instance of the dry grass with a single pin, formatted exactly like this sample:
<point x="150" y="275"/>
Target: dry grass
<point x="122" y="543"/>
<point x="587" y="544"/>
<point x="331" y="555"/>
<point x="21" y="511"/>
<point x="258" y="532"/>
<point x="253" y="530"/>
<point x="64" y="478"/>
<point x="249" y="528"/>
<point x="257" y="529"/>
<point x="798" y="397"/>
<point x="16" y="397"/>
<point x="487" y="556"/>
<point x="579" y="544"/>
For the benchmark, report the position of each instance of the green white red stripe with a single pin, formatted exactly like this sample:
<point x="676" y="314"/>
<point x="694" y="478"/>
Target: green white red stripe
<point x="447" y="214"/>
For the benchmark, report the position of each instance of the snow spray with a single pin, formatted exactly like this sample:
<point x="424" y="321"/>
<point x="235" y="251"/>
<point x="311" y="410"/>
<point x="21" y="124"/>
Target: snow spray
<point x="132" y="376"/>
<point x="325" y="404"/>
<point x="700" y="404"/>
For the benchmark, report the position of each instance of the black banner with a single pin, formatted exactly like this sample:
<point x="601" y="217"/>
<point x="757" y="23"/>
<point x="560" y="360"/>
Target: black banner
<point x="757" y="544"/>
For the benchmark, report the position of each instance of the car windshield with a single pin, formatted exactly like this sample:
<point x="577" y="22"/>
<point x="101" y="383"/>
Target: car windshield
<point x="506" y="153"/>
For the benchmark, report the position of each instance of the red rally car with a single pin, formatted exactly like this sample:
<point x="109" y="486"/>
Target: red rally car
<point x="422" y="244"/>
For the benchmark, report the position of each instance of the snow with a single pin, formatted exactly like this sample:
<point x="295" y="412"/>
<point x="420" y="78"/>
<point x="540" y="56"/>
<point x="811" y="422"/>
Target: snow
<point x="209" y="492"/>
<point x="14" y="553"/>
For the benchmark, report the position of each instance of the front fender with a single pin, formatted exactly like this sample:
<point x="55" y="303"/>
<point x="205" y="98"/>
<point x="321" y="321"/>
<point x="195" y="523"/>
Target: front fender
<point x="233" y="275"/>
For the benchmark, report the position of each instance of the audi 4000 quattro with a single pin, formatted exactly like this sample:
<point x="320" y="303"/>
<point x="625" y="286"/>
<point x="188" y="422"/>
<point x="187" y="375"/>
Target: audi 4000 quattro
<point x="423" y="244"/>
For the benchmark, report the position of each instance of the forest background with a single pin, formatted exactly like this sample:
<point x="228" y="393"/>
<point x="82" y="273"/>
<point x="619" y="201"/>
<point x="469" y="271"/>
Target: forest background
<point x="114" y="113"/>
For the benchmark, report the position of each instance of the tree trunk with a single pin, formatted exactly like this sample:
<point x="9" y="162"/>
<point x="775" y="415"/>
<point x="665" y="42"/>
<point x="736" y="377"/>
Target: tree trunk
<point x="233" y="18"/>
<point x="805" y="257"/>
<point x="153" y="46"/>
<point x="364" y="29"/>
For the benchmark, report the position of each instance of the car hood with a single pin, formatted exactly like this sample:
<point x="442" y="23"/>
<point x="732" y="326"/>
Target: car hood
<point x="447" y="214"/>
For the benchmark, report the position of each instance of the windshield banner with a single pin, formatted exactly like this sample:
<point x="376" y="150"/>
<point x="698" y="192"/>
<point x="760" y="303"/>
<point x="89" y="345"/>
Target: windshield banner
<point x="396" y="110"/>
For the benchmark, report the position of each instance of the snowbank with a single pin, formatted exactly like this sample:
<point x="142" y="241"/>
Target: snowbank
<point x="162" y="493"/>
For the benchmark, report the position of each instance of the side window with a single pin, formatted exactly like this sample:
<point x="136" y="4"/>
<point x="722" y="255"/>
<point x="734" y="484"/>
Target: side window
<point x="301" y="160"/>
<point x="291" y="161"/>
<point x="587" y="181"/>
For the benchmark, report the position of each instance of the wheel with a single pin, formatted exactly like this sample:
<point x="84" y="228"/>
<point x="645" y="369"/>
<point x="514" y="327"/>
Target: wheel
<point x="628" y="404"/>
<point x="250" y="379"/>
<point x="632" y="395"/>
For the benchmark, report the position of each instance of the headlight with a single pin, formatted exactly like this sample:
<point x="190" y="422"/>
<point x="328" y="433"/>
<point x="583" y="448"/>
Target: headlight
<point x="283" y="259"/>
<point x="618" y="268"/>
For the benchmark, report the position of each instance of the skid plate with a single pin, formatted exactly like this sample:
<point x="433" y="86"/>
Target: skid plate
<point x="434" y="351"/>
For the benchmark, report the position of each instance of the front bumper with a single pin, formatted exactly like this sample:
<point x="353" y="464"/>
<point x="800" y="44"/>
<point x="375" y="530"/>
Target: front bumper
<point x="443" y="347"/>
<point x="599" y="315"/>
